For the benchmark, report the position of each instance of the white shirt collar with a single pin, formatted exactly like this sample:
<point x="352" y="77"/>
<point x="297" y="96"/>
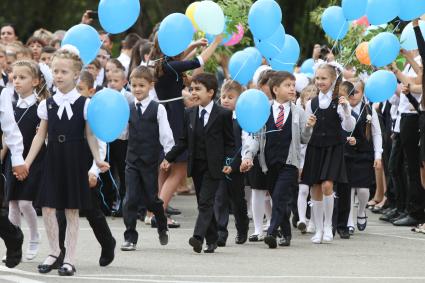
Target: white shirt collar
<point x="64" y="101"/>
<point x="328" y="94"/>
<point x="357" y="107"/>
<point x="208" y="108"/>
<point x="234" y="114"/>
<point x="144" y="102"/>
<point x="277" y="104"/>
<point x="26" y="102"/>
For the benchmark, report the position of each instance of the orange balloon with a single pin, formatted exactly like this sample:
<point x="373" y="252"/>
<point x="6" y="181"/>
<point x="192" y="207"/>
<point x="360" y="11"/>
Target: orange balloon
<point x="362" y="53"/>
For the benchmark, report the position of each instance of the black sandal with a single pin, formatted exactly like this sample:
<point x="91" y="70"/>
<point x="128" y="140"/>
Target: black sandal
<point x="361" y="227"/>
<point x="46" y="268"/>
<point x="63" y="271"/>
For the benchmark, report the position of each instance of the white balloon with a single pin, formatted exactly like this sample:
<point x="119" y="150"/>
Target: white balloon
<point x="210" y="17"/>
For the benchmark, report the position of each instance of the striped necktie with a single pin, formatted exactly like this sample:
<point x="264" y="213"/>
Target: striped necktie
<point x="280" y="117"/>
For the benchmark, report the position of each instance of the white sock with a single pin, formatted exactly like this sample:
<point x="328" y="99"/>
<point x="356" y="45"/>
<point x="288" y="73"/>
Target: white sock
<point x="302" y="201"/>
<point x="14" y="213"/>
<point x="328" y="207"/>
<point x="258" y="208"/>
<point x="30" y="217"/>
<point x="248" y="196"/>
<point x="350" y="222"/>
<point x="52" y="231"/>
<point x="363" y="195"/>
<point x="71" y="236"/>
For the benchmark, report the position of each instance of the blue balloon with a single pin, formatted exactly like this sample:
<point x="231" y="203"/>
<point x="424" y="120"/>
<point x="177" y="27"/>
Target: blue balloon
<point x="334" y="23"/>
<point x="288" y="57"/>
<point x="408" y="38"/>
<point x="411" y="9"/>
<point x="354" y="9"/>
<point x="273" y="45"/>
<point x="175" y="34"/>
<point x="380" y="86"/>
<point x="254" y="55"/>
<point x="108" y="113"/>
<point x="252" y="110"/>
<point x="86" y="39"/>
<point x="116" y="16"/>
<point x="382" y="11"/>
<point x="264" y="18"/>
<point x="242" y="66"/>
<point x="383" y="49"/>
<point x="307" y="66"/>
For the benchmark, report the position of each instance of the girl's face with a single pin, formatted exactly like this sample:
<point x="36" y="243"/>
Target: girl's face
<point x="357" y="96"/>
<point x="228" y="99"/>
<point x="7" y="34"/>
<point x="91" y="68"/>
<point x="36" y="50"/>
<point x="102" y="57"/>
<point x="23" y="82"/>
<point x="323" y="80"/>
<point x="64" y="74"/>
<point x="110" y="67"/>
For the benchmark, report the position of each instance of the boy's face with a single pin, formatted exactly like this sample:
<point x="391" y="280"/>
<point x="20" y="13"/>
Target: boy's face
<point x="46" y="58"/>
<point x="229" y="98"/>
<point x="110" y="67"/>
<point x="84" y="89"/>
<point x="116" y="81"/>
<point x="36" y="50"/>
<point x="285" y="91"/>
<point x="200" y="94"/>
<point x="140" y="88"/>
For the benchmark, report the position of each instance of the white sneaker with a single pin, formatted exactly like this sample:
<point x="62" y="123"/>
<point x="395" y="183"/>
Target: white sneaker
<point x="33" y="247"/>
<point x="317" y="238"/>
<point x="311" y="228"/>
<point x="327" y="234"/>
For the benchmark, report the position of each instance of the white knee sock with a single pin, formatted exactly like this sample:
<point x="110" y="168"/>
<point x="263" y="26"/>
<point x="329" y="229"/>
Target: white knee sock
<point x="30" y="217"/>
<point x="14" y="213"/>
<point x="328" y="208"/>
<point x="302" y="201"/>
<point x="350" y="222"/>
<point x="363" y="195"/>
<point x="71" y="236"/>
<point x="317" y="209"/>
<point x="258" y="208"/>
<point x="52" y="231"/>
<point x="248" y="196"/>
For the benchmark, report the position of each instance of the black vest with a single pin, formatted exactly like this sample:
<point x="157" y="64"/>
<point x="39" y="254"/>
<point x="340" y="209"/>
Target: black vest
<point x="328" y="130"/>
<point x="28" y="121"/>
<point x="200" y="145"/>
<point x="278" y="143"/>
<point x="143" y="135"/>
<point x="362" y="144"/>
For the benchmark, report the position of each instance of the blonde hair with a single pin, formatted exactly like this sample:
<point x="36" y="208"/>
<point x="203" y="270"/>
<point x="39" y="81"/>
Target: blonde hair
<point x="66" y="54"/>
<point x="231" y="85"/>
<point x="306" y="94"/>
<point x="33" y="68"/>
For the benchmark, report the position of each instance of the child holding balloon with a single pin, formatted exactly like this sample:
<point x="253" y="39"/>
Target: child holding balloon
<point x="65" y="184"/>
<point x="324" y="161"/>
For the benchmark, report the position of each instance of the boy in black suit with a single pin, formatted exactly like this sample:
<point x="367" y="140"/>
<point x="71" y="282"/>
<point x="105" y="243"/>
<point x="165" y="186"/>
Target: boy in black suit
<point x="208" y="137"/>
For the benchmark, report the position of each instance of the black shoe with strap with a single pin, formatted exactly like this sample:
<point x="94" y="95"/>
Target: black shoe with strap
<point x="360" y="226"/>
<point x="64" y="270"/>
<point x="46" y="268"/>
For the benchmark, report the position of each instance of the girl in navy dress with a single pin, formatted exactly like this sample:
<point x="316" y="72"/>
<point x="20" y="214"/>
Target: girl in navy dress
<point x="31" y="87"/>
<point x="65" y="183"/>
<point x="324" y="161"/>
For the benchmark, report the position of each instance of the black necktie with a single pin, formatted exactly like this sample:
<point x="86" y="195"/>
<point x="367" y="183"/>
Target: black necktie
<point x="139" y="109"/>
<point x="203" y="112"/>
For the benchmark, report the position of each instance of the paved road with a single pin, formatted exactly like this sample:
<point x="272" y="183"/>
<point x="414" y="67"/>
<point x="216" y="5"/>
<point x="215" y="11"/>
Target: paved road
<point x="382" y="253"/>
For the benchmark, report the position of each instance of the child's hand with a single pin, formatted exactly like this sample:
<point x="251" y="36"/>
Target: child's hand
<point x="92" y="180"/>
<point x="377" y="164"/>
<point x="103" y="166"/>
<point x="246" y="165"/>
<point x="20" y="172"/>
<point x="352" y="141"/>
<point x="405" y="88"/>
<point x="227" y="170"/>
<point x="343" y="101"/>
<point x="165" y="165"/>
<point x="201" y="42"/>
<point x="311" y="121"/>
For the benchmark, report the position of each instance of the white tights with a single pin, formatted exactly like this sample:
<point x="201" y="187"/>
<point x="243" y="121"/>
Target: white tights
<point x="16" y="207"/>
<point x="302" y="201"/>
<point x="261" y="204"/>
<point x="363" y="195"/>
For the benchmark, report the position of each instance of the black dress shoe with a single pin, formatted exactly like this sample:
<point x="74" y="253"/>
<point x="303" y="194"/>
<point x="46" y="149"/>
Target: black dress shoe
<point x="172" y="211"/>
<point x="270" y="240"/>
<point x="361" y="227"/>
<point x="388" y="215"/>
<point x="221" y="242"/>
<point x="285" y="241"/>
<point x="65" y="271"/>
<point x="344" y="233"/>
<point x="210" y="248"/>
<point x="241" y="238"/>
<point x="302" y="227"/>
<point x="163" y="238"/>
<point x="196" y="244"/>
<point x="108" y="254"/>
<point x="398" y="217"/>
<point x="14" y="249"/>
<point x="407" y="221"/>
<point x="377" y="209"/>
<point x="46" y="268"/>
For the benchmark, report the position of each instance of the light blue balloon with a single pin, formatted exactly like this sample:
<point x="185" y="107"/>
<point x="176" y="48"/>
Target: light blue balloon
<point x="86" y="39"/>
<point x="116" y="16"/>
<point x="288" y="57"/>
<point x="307" y="66"/>
<point x="408" y="38"/>
<point x="380" y="86"/>
<point x="334" y="23"/>
<point x="272" y="45"/>
<point x="242" y="66"/>
<point x="383" y="49"/>
<point x="252" y="110"/>
<point x="108" y="113"/>
<point x="382" y="11"/>
<point x="354" y="9"/>
<point x="264" y="18"/>
<point x="210" y="17"/>
<point x="175" y="34"/>
<point x="254" y="55"/>
<point x="411" y="9"/>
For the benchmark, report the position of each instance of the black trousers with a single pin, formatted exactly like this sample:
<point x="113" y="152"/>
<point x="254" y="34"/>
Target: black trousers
<point x="282" y="179"/>
<point x="206" y="188"/>
<point x="342" y="206"/>
<point x="97" y="222"/>
<point x="118" y="153"/>
<point x="231" y="192"/>
<point x="8" y="232"/>
<point x="142" y="187"/>
<point x="397" y="173"/>
<point x="409" y="136"/>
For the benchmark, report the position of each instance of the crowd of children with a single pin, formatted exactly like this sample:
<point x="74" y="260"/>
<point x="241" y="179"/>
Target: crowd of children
<point x="324" y="144"/>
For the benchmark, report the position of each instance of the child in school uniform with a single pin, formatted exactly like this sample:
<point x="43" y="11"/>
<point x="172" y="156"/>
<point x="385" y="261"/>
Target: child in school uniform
<point x="29" y="83"/>
<point x="208" y="137"/>
<point x="363" y="152"/>
<point x="286" y="128"/>
<point x="65" y="180"/>
<point x="232" y="189"/>
<point x="324" y="161"/>
<point x="148" y="130"/>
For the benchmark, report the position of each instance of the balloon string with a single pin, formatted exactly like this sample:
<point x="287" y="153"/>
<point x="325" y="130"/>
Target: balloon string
<point x="339" y="33"/>
<point x="240" y="69"/>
